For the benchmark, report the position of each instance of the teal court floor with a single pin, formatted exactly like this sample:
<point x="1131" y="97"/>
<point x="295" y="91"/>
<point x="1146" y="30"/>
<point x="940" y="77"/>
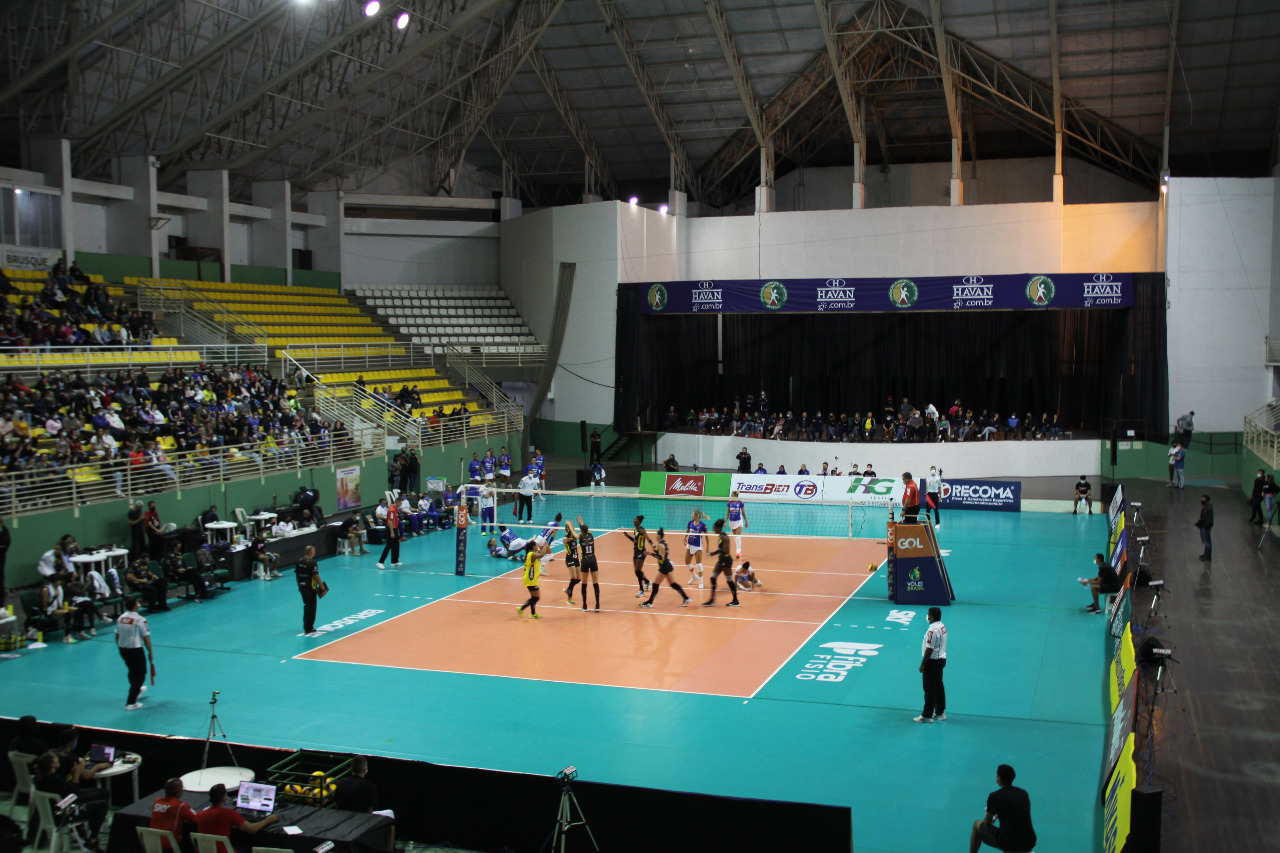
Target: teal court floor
<point x="1024" y="687"/>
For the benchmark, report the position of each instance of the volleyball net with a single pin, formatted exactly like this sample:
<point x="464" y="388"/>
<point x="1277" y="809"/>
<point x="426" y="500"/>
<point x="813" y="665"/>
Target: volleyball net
<point x="616" y="511"/>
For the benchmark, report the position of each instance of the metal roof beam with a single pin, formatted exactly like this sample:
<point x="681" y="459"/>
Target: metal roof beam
<point x="461" y="19"/>
<point x="845" y="85"/>
<point x="573" y="120"/>
<point x="498" y="66"/>
<point x="267" y="12"/>
<point x="942" y="45"/>
<point x="72" y="47"/>
<point x="683" y="176"/>
<point x="1168" y="83"/>
<point x="511" y="163"/>
<point x="737" y="69"/>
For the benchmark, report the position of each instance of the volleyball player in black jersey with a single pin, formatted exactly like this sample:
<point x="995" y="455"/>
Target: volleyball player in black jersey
<point x="640" y="542"/>
<point x="571" y="561"/>
<point x="724" y="565"/>
<point x="665" y="569"/>
<point x="590" y="568"/>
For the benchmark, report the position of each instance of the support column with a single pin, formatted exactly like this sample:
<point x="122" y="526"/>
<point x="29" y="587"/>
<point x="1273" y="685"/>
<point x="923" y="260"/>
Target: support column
<point x="327" y="242"/>
<point x="53" y="158"/>
<point x="677" y="203"/>
<point x="136" y="227"/>
<point x="1058" y="192"/>
<point x="211" y="228"/>
<point x="859" y="197"/>
<point x="509" y="208"/>
<point x="957" y="184"/>
<point x="271" y="242"/>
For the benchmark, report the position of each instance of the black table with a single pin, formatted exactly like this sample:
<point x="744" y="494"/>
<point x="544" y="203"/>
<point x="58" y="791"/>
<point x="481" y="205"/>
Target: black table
<point x="290" y="549"/>
<point x="349" y="831"/>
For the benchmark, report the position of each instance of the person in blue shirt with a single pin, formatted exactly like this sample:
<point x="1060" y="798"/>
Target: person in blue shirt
<point x="540" y="468"/>
<point x="474" y="468"/>
<point x="737" y="514"/>
<point x="504" y="468"/>
<point x="760" y="469"/>
<point x="597" y="479"/>
<point x="487" y="466"/>
<point x="782" y="470"/>
<point x="693" y="547"/>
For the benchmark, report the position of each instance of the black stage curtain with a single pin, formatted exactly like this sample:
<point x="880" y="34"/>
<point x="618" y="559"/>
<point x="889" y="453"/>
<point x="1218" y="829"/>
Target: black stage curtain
<point x="1087" y="366"/>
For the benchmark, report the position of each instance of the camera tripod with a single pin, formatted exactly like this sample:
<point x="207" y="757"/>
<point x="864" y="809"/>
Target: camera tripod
<point x="215" y="730"/>
<point x="559" y="838"/>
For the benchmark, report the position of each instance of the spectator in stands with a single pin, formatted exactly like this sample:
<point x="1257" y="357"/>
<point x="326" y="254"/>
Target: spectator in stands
<point x="670" y="464"/>
<point x="155" y="531"/>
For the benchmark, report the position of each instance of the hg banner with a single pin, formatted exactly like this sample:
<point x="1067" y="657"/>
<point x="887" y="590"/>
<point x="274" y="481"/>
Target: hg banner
<point x="933" y="293"/>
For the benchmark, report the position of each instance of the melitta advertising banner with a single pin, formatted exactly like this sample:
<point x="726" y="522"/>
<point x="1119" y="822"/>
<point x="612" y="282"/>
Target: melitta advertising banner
<point x="1001" y="495"/>
<point x="1025" y="291"/>
<point x="866" y="491"/>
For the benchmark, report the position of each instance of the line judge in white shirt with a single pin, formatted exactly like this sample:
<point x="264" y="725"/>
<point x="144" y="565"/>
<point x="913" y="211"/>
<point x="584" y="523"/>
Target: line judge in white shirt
<point x="934" y="658"/>
<point x="132" y="634"/>
<point x="283" y="527"/>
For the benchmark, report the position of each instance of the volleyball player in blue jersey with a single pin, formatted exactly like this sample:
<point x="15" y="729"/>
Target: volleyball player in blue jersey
<point x="504" y="468"/>
<point x="665" y="571"/>
<point x="693" y="547"/>
<point x="737" y="521"/>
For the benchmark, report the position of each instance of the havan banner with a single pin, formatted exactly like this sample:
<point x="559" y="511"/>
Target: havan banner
<point x="1026" y="291"/>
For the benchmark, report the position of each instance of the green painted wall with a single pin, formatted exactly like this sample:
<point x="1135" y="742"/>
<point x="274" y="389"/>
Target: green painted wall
<point x="450" y="461"/>
<point x="1150" y="460"/>
<point x="258" y="275"/>
<point x="102" y="524"/>
<point x="114" y="267"/>
<point x="715" y="485"/>
<point x="317" y="278"/>
<point x="564" y="438"/>
<point x="1250" y="462"/>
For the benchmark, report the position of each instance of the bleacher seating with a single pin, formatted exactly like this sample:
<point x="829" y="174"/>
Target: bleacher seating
<point x="289" y="316"/>
<point x="437" y="316"/>
<point x="436" y="392"/>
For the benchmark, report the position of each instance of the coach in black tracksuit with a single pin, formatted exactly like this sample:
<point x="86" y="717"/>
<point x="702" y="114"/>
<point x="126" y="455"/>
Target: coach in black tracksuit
<point x="308" y="574"/>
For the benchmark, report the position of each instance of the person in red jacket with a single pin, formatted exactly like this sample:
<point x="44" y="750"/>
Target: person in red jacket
<point x="171" y="813"/>
<point x="910" y="499"/>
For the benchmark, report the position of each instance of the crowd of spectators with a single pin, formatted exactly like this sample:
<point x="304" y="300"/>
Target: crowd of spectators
<point x="896" y="422"/>
<point x="122" y="421"/>
<point x="61" y="316"/>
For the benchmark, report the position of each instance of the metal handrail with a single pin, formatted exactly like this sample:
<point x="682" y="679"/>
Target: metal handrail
<point x="26" y="361"/>
<point x="105" y="481"/>
<point x="496" y="355"/>
<point x="1262" y="432"/>
<point x="159" y="295"/>
<point x="466" y="365"/>
<point x="1273" y="352"/>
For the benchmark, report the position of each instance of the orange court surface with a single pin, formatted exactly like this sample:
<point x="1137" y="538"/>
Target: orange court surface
<point x="694" y="649"/>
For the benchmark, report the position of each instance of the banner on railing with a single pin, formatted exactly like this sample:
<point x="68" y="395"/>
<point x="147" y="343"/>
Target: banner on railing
<point x="929" y="293"/>
<point x="1002" y="495"/>
<point x="348" y="490"/>
<point x="29" y="258"/>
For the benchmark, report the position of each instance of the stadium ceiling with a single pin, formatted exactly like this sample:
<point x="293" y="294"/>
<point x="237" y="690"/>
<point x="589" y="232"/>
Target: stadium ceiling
<point x="617" y="96"/>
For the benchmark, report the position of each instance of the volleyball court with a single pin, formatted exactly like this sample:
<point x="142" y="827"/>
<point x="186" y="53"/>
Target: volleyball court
<point x="806" y="556"/>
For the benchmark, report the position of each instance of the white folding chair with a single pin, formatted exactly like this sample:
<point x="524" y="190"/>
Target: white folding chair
<point x="154" y="840"/>
<point x="43" y="805"/>
<point x="206" y="843"/>
<point x="21" y="764"/>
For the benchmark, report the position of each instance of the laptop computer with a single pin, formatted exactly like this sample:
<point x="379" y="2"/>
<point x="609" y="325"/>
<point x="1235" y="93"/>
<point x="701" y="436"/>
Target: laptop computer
<point x="101" y="754"/>
<point x="256" y="797"/>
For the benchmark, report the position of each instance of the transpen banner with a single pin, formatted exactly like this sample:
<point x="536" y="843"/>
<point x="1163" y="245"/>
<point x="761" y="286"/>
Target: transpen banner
<point x="866" y="491"/>
<point x="1024" y="291"/>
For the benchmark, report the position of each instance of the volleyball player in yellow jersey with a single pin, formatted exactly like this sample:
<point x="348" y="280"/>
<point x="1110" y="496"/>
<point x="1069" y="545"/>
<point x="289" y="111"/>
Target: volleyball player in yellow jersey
<point x="532" y="568"/>
<point x="724" y="565"/>
<point x="665" y="570"/>
<point x="571" y="560"/>
<point x="640" y="542"/>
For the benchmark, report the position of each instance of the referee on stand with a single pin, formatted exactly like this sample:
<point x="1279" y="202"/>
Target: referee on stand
<point x="131" y="635"/>
<point x="910" y="500"/>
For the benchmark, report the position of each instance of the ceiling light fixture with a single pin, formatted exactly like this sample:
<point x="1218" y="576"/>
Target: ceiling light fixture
<point x="663" y="210"/>
<point x="634" y="201"/>
<point x="371" y="8"/>
<point x="402" y="21"/>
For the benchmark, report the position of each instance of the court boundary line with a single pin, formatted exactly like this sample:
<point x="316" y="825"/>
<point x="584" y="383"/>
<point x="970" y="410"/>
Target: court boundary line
<point x="413" y="610"/>
<point x="847" y="599"/>
<point x="640" y="612"/>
